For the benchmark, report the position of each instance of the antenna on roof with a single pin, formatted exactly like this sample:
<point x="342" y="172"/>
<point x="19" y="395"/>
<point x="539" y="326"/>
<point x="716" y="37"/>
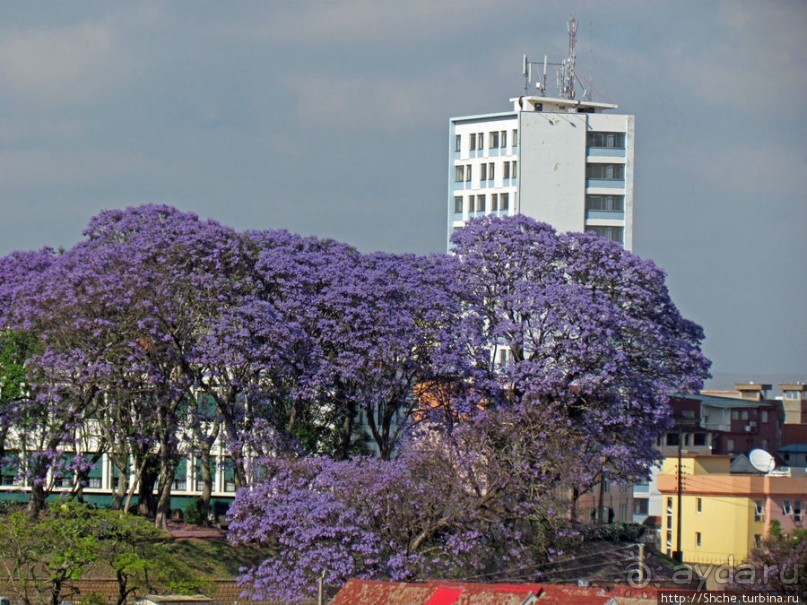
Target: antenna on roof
<point x="566" y="72"/>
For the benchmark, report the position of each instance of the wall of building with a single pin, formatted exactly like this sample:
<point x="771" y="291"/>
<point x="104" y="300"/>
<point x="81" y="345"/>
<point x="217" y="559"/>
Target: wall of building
<point x="552" y="180"/>
<point x="723" y="515"/>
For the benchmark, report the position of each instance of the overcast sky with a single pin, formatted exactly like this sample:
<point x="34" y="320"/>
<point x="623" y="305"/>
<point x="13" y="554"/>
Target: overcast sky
<point x="331" y="119"/>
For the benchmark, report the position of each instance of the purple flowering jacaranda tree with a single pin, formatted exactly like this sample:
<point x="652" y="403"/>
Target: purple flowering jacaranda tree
<point x="579" y="327"/>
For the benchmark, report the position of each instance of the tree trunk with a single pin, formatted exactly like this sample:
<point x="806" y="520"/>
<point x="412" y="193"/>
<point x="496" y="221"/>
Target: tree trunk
<point x="168" y="467"/>
<point x="122" y="592"/>
<point x="36" y="501"/>
<point x="56" y="591"/>
<point x="207" y="478"/>
<point x="146" y="505"/>
<point x="235" y="450"/>
<point x="601" y="503"/>
<point x="346" y="433"/>
<point x="573" y="504"/>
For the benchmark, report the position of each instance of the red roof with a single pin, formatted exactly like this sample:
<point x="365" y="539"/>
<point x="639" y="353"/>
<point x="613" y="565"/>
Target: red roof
<point x="374" y="592"/>
<point x="444" y="596"/>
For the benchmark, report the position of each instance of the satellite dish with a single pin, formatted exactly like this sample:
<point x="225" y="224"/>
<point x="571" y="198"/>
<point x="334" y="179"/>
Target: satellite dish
<point x="761" y="460"/>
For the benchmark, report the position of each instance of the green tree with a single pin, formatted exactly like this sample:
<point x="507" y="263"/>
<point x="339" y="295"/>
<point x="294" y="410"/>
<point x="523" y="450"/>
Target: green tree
<point x="778" y="564"/>
<point x="40" y="556"/>
<point x="139" y="556"/>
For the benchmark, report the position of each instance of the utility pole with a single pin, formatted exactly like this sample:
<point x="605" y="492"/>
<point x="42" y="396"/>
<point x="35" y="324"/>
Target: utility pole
<point x="641" y="562"/>
<point x="678" y="556"/>
<point x="320" y="580"/>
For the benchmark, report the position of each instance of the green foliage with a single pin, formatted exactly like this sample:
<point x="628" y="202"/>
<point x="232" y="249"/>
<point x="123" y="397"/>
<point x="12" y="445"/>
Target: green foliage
<point x="15" y="348"/>
<point x="139" y="555"/>
<point x="92" y="598"/>
<point x="615" y="532"/>
<point x="196" y="512"/>
<point x="40" y="555"/>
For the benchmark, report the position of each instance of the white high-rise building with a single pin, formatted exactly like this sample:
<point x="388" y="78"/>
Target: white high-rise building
<point x="561" y="161"/>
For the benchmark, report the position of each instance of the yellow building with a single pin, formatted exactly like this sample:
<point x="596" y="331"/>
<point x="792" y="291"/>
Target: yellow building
<point x="723" y="514"/>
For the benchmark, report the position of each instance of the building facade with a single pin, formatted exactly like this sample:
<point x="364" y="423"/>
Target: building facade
<point x="724" y="515"/>
<point x="560" y="161"/>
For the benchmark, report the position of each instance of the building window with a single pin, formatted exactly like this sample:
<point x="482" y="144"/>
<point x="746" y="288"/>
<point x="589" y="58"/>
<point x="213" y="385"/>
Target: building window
<point x="514" y="138"/>
<point x="494" y="140"/>
<point x="700" y="504"/>
<point x="480" y="203"/>
<point x="514" y="171"/>
<point x="503" y="358"/>
<point x="458" y="204"/>
<point x="617" y="234"/>
<point x="503" y="138"/>
<point x="730" y="446"/>
<point x="472" y="141"/>
<point x="468" y="173"/>
<point x="757" y="540"/>
<point x="763" y="416"/>
<point x="459" y="174"/>
<point x="797" y="508"/>
<point x="787" y="508"/>
<point x="759" y="511"/>
<point x="735" y="414"/>
<point x="10" y="466"/>
<point x="698" y="539"/>
<point x="94" y="482"/>
<point x="699" y="439"/>
<point x="494" y="202"/>
<point x="483" y="172"/>
<point x="607" y="140"/>
<point x="669" y="506"/>
<point x="457" y="142"/>
<point x="606" y="172"/>
<point x="606" y="203"/>
<point x="506" y="171"/>
<point x="504" y="201"/>
<point x="491" y="171"/>
<point x="640" y="506"/>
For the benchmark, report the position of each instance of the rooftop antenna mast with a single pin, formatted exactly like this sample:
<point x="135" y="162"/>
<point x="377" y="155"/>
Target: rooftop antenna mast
<point x="566" y="74"/>
<point x="526" y="71"/>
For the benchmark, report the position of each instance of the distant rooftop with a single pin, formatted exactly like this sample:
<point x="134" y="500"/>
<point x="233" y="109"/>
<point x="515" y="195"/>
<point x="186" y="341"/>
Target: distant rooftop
<point x="556" y="105"/>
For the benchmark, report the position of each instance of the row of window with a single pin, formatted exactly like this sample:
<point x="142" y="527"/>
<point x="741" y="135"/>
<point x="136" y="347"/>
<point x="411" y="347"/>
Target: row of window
<point x="66" y="479"/>
<point x="606" y="172"/>
<point x="606" y="140"/>
<point x="478" y="203"/>
<point x="764" y="415"/>
<point x="794" y="508"/>
<point x="606" y="203"/>
<point x="497" y="139"/>
<point x="615" y="234"/>
<point x="487" y="171"/>
<point x="476" y="140"/>
<point x="673" y="438"/>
